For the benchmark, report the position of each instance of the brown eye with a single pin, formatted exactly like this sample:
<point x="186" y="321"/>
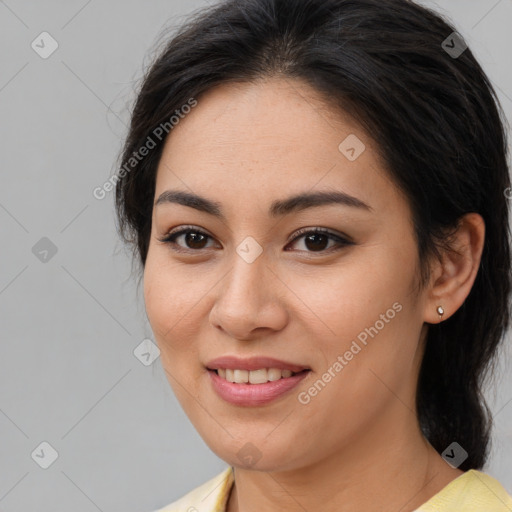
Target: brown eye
<point x="317" y="240"/>
<point x="194" y="239"/>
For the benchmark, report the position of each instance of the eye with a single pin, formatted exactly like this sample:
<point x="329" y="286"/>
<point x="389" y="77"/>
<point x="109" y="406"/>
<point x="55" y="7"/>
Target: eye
<point x="314" y="239"/>
<point x="194" y="239"/>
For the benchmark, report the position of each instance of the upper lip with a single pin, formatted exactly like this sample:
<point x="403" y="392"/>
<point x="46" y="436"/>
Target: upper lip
<point x="252" y="363"/>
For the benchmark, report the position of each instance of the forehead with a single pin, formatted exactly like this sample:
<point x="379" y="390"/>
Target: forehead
<point x="276" y="113"/>
<point x="270" y="137"/>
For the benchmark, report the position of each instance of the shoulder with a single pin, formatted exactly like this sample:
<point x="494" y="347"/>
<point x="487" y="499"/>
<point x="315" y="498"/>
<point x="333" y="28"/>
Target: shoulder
<point x="474" y="491"/>
<point x="208" y="497"/>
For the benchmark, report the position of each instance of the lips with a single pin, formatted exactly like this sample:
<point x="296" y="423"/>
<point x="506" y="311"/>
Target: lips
<point x="254" y="395"/>
<point x="253" y="363"/>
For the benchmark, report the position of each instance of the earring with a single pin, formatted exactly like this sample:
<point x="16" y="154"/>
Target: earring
<point x="440" y="312"/>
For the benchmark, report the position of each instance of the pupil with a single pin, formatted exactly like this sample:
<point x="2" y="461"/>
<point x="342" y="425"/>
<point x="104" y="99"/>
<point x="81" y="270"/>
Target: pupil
<point x="312" y="237"/>
<point x="191" y="238"/>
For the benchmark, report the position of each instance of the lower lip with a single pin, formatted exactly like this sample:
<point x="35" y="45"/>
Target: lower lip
<point x="253" y="394"/>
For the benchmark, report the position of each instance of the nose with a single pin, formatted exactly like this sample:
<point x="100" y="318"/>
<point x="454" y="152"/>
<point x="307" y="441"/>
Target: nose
<point x="250" y="300"/>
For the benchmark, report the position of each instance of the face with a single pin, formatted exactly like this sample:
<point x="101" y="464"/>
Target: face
<point x="257" y="282"/>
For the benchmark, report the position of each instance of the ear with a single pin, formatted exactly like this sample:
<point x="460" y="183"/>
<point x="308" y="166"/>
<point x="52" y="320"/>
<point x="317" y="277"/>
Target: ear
<point x="453" y="275"/>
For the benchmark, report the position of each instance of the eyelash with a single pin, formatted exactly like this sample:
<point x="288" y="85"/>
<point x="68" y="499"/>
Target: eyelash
<point x="171" y="237"/>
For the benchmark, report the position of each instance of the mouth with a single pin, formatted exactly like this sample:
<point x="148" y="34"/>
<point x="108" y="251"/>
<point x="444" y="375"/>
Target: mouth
<point x="259" y="376"/>
<point x="254" y="388"/>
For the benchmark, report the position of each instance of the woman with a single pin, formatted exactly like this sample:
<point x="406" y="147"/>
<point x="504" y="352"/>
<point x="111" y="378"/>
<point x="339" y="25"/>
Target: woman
<point x="316" y="192"/>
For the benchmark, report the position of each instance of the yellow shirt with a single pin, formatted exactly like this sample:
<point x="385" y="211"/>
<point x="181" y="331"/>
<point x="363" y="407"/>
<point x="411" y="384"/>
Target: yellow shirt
<point x="472" y="491"/>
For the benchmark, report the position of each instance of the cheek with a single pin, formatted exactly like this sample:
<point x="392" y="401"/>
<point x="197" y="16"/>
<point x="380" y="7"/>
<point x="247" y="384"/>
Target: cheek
<point x="346" y="298"/>
<point x="172" y="303"/>
<point x="365" y="312"/>
<point x="369" y="363"/>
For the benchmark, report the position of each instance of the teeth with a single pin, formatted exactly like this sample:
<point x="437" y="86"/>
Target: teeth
<point x="254" y="376"/>
<point x="240" y="376"/>
<point x="259" y="376"/>
<point x="276" y="373"/>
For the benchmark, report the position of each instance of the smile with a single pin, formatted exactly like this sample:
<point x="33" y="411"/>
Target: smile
<point x="254" y="394"/>
<point x="254" y="376"/>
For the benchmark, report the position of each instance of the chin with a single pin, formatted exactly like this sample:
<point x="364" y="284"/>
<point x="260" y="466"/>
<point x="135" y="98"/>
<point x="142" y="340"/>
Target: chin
<point x="255" y="452"/>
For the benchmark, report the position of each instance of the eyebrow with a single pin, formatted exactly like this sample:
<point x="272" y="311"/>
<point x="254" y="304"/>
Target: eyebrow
<point x="277" y="208"/>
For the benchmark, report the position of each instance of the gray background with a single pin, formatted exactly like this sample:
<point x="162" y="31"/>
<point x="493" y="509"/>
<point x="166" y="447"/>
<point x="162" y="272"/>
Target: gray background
<point x="69" y="326"/>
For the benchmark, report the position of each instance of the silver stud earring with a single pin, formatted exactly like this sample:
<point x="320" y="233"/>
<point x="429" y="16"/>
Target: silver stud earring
<point x="440" y="312"/>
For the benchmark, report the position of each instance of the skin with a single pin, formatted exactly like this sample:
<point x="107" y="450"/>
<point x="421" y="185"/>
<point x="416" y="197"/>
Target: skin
<point x="357" y="444"/>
